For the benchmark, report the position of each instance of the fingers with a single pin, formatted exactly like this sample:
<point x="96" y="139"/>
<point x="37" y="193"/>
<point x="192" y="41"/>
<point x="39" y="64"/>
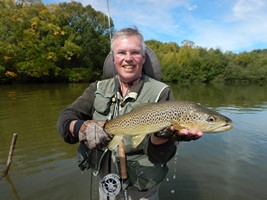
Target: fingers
<point x="190" y="133"/>
<point x="186" y="134"/>
<point x="93" y="135"/>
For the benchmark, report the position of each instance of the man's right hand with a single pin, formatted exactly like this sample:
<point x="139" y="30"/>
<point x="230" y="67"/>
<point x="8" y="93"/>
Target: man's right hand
<point x="93" y="135"/>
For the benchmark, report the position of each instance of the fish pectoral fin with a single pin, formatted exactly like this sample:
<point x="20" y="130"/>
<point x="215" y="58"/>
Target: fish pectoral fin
<point x="114" y="142"/>
<point x="176" y="125"/>
<point x="136" y="140"/>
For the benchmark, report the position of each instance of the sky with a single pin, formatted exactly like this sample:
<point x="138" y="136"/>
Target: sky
<point x="229" y="25"/>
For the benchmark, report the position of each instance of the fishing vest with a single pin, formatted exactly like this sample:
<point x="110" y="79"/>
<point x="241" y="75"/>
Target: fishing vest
<point x="105" y="97"/>
<point x="142" y="173"/>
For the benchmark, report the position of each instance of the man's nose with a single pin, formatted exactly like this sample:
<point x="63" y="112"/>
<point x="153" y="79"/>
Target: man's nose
<point x="128" y="56"/>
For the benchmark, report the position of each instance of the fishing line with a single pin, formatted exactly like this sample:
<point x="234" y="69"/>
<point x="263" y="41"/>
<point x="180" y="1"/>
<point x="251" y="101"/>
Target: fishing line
<point x="109" y="26"/>
<point x="113" y="65"/>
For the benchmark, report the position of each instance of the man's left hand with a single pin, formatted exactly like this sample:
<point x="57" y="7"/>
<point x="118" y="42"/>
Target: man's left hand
<point x="185" y="134"/>
<point x="172" y="134"/>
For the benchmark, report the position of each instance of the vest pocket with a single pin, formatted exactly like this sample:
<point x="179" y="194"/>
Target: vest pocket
<point x="102" y="103"/>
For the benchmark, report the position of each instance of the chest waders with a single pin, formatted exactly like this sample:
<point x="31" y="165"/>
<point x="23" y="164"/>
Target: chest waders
<point x="111" y="184"/>
<point x="107" y="103"/>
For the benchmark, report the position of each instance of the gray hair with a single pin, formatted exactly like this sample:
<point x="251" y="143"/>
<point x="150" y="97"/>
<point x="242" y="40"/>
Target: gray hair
<point x="126" y="32"/>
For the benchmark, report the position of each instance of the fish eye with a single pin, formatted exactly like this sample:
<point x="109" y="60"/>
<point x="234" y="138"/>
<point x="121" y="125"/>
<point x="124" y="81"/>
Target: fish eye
<point x="211" y="118"/>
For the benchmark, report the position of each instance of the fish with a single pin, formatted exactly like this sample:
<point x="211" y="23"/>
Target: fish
<point x="154" y="117"/>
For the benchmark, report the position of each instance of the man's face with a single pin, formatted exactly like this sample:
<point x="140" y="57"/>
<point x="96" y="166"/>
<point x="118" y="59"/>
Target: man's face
<point x="128" y="58"/>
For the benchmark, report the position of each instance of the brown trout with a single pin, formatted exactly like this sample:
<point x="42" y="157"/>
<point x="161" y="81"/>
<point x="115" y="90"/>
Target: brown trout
<point x="153" y="117"/>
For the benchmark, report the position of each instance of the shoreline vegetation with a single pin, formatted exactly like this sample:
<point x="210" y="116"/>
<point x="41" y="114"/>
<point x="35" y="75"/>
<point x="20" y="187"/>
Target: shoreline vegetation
<point x="68" y="42"/>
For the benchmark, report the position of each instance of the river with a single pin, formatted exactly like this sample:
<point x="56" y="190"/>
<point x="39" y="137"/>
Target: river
<point x="230" y="165"/>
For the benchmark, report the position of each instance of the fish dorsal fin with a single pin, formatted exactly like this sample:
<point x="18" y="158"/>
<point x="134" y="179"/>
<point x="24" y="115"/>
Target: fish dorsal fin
<point x="136" y="140"/>
<point x="176" y="125"/>
<point x="115" y="142"/>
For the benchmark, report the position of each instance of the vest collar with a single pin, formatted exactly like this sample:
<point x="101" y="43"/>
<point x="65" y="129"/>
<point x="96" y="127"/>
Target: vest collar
<point x="131" y="96"/>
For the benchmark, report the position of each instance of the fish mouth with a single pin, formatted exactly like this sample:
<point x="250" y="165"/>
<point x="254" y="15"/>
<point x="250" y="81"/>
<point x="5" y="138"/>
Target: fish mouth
<point x="225" y="127"/>
<point x="228" y="126"/>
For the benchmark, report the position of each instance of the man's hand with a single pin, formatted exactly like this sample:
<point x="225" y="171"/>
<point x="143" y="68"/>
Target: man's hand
<point x="172" y="134"/>
<point x="185" y="134"/>
<point x="92" y="134"/>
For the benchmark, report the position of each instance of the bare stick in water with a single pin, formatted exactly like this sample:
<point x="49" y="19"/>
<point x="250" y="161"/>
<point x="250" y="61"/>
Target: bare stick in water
<point x="10" y="156"/>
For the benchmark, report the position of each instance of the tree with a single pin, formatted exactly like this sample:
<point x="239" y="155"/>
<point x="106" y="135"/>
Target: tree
<point x="51" y="42"/>
<point x="92" y="34"/>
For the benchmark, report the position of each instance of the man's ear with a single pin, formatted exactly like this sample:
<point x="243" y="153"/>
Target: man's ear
<point x="144" y="60"/>
<point x="112" y="56"/>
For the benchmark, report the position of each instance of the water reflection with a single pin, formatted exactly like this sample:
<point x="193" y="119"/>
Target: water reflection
<point x="224" y="164"/>
<point x="217" y="95"/>
<point x="31" y="111"/>
<point x="230" y="165"/>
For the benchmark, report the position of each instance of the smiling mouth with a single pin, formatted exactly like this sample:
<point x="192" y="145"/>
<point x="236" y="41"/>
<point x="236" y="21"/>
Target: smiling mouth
<point x="128" y="66"/>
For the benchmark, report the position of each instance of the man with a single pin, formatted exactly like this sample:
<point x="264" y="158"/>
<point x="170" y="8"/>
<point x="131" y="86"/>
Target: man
<point x="84" y="121"/>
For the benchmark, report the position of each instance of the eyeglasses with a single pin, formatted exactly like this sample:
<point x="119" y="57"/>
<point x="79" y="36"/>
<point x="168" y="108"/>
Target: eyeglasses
<point x="132" y="54"/>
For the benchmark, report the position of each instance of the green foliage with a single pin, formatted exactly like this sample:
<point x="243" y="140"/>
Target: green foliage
<point x="69" y="42"/>
<point x="188" y="63"/>
<point x="78" y="74"/>
<point x="247" y="67"/>
<point x="38" y="42"/>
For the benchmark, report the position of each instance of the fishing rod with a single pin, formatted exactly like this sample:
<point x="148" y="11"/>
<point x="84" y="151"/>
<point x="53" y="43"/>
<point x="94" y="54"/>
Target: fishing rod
<point x="113" y="66"/>
<point x="109" y="26"/>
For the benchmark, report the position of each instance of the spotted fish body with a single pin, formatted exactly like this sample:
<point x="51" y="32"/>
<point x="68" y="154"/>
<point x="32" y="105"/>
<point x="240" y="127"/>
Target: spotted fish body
<point x="154" y="117"/>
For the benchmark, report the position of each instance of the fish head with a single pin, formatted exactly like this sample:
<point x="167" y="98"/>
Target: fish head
<point x="215" y="122"/>
<point x="204" y="119"/>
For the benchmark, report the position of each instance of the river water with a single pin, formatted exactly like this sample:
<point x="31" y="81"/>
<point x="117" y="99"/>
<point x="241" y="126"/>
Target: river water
<point x="226" y="166"/>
